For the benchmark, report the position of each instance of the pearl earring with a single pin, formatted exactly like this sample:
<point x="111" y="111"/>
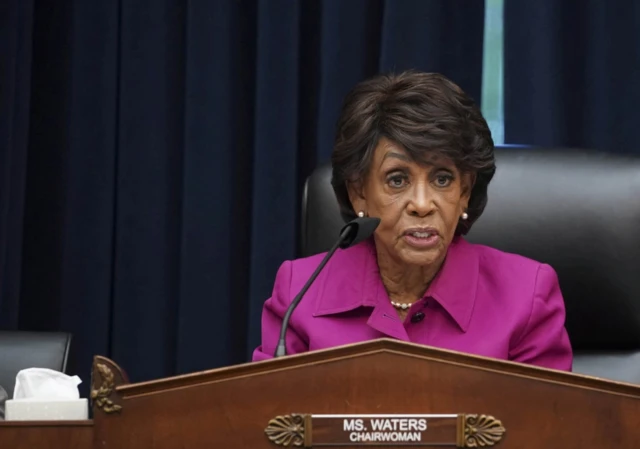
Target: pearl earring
<point x="465" y="215"/>
<point x="361" y="214"/>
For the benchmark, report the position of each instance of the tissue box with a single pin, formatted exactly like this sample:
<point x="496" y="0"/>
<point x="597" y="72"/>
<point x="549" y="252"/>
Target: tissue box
<point x="46" y="410"/>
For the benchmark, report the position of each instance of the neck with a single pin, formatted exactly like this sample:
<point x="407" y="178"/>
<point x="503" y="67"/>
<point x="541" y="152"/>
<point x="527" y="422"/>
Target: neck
<point x="406" y="283"/>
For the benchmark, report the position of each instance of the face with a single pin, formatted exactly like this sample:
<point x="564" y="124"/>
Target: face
<point x="419" y="205"/>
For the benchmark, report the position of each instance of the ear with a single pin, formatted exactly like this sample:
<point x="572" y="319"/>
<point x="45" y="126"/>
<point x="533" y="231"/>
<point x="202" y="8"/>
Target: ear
<point x="356" y="195"/>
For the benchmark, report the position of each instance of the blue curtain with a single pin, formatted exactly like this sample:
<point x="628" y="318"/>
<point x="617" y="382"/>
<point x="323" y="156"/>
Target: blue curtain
<point x="572" y="73"/>
<point x="156" y="153"/>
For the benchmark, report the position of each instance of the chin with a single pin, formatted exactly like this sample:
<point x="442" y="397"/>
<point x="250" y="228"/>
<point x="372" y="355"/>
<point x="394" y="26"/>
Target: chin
<point x="421" y="258"/>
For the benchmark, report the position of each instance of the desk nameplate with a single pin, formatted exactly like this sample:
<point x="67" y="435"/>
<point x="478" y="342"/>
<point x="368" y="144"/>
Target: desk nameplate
<point x="456" y="430"/>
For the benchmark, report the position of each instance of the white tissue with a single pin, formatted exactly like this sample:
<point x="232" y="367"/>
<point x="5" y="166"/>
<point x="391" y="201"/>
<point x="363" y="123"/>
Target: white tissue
<point x="45" y="384"/>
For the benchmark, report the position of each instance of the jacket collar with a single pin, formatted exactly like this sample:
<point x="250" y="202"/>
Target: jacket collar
<point x="352" y="280"/>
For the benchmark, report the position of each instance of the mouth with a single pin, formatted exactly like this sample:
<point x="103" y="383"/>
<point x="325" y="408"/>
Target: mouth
<point x="423" y="238"/>
<point x="421" y="232"/>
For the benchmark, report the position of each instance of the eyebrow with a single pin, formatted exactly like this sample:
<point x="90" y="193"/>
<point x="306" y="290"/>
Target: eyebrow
<point x="400" y="156"/>
<point x="437" y="163"/>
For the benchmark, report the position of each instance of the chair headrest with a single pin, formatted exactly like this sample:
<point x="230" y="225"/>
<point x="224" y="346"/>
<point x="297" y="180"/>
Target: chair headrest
<point x="578" y="211"/>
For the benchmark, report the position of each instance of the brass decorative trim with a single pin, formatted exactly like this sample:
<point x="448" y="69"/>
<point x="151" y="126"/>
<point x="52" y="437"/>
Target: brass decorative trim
<point x="287" y="430"/>
<point x="460" y="430"/>
<point x="308" y="431"/>
<point x="102" y="390"/>
<point x="482" y="431"/>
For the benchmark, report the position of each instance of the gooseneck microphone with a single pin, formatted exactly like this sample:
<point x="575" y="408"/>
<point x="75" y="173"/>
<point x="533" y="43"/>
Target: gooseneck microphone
<point x="352" y="233"/>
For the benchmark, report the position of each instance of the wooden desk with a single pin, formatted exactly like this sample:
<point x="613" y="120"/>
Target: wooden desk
<point x="258" y="405"/>
<point x="46" y="434"/>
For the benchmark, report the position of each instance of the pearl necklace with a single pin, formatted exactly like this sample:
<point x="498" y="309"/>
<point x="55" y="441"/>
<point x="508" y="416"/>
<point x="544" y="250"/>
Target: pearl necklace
<point x="403" y="306"/>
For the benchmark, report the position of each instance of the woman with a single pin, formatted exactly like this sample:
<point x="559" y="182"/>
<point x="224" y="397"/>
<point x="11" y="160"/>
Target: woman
<point x="413" y="150"/>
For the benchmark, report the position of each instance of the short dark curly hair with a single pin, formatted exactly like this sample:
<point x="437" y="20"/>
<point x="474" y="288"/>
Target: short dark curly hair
<point x="425" y="113"/>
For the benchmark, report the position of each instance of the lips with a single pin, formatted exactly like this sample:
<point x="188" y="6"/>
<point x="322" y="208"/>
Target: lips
<point x="421" y="233"/>
<point x="422" y="238"/>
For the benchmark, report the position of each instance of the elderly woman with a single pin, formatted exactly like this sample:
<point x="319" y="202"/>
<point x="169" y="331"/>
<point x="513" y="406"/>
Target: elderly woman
<point x="414" y="150"/>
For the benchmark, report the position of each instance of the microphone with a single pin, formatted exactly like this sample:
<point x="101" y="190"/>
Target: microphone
<point x="352" y="233"/>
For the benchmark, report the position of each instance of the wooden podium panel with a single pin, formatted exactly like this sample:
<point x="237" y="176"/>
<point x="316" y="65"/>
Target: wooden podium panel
<point x="468" y="401"/>
<point x="46" y="434"/>
<point x="231" y="407"/>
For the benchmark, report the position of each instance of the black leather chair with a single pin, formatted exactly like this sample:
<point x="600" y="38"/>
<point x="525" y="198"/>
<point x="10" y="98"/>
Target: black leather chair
<point x="576" y="210"/>
<point x="20" y="350"/>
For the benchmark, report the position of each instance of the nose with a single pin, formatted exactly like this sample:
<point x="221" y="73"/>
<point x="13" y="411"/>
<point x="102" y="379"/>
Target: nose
<point x="421" y="200"/>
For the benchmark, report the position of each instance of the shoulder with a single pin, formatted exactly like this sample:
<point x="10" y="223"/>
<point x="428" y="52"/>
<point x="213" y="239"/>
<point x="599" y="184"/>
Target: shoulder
<point x="305" y="266"/>
<point x="496" y="264"/>
<point x="531" y="301"/>
<point x="516" y="284"/>
<point x="526" y="294"/>
<point x="489" y="254"/>
<point x="345" y="267"/>
<point x="511" y="282"/>
<point x="343" y="263"/>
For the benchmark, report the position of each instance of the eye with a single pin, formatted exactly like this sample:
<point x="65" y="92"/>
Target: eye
<point x="397" y="180"/>
<point x="443" y="179"/>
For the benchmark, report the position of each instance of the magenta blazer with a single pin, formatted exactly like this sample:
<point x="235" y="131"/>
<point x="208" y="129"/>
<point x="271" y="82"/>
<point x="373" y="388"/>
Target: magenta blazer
<point x="483" y="301"/>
